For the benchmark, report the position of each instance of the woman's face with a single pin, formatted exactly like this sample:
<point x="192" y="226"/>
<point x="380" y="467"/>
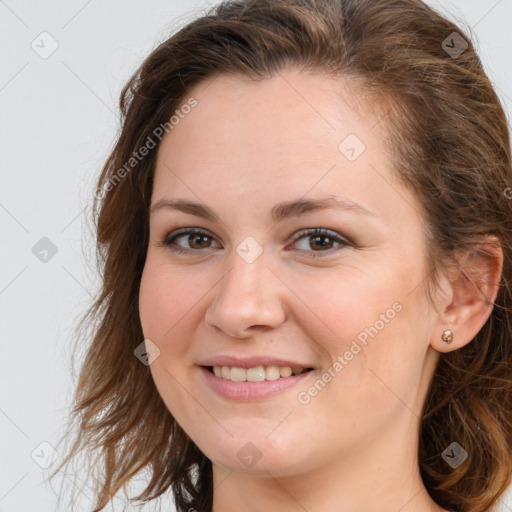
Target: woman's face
<point x="258" y="289"/>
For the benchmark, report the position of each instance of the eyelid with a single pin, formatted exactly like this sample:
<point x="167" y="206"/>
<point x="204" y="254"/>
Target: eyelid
<point x="322" y="231"/>
<point x="166" y="242"/>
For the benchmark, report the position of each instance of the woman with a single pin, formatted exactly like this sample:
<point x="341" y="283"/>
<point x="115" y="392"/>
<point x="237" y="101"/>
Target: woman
<point x="305" y="231"/>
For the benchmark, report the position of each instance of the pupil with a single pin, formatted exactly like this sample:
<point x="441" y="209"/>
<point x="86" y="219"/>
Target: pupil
<point x="321" y="237"/>
<point x="194" y="238"/>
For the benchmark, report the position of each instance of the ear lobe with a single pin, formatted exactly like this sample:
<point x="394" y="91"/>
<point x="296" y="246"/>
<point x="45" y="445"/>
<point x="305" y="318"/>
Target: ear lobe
<point x="474" y="289"/>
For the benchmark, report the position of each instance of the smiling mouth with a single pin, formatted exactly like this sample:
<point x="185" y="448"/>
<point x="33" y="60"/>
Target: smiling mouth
<point x="256" y="374"/>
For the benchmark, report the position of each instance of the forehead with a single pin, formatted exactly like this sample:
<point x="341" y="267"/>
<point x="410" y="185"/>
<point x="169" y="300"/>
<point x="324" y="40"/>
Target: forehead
<point x="280" y="111"/>
<point x="293" y="134"/>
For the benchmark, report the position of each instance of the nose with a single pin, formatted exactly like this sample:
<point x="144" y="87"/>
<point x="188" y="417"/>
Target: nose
<point x="247" y="299"/>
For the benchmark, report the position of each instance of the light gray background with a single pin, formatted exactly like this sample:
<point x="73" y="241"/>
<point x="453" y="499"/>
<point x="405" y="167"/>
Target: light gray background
<point x="58" y="121"/>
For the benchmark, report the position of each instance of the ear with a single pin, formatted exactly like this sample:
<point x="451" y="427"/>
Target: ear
<point x="470" y="292"/>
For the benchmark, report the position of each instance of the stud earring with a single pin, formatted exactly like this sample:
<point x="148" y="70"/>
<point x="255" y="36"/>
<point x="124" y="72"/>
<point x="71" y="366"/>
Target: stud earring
<point x="447" y="336"/>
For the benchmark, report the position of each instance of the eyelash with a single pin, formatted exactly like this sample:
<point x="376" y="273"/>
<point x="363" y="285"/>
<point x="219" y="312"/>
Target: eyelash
<point x="168" y="241"/>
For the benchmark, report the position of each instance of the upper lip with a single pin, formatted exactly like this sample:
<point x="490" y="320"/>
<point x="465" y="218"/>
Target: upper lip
<point x="252" y="362"/>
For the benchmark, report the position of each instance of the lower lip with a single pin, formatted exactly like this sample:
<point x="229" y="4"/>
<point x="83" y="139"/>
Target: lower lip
<point x="247" y="391"/>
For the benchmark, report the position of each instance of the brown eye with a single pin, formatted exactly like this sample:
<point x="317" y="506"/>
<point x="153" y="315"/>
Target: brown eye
<point x="316" y="241"/>
<point x="194" y="240"/>
<point x="198" y="239"/>
<point x="321" y="240"/>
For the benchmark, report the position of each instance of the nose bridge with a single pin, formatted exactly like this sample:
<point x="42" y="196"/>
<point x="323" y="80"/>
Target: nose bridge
<point x="246" y="263"/>
<point x="247" y="295"/>
<point x="247" y="280"/>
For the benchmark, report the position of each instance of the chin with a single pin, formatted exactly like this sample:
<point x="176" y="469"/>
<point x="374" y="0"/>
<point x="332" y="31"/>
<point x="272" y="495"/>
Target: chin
<point x="256" y="456"/>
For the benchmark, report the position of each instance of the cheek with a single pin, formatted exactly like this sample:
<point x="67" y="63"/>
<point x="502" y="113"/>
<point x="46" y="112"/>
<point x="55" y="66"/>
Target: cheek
<point x="165" y="316"/>
<point x="372" y="332"/>
<point x="166" y="303"/>
<point x="345" y="303"/>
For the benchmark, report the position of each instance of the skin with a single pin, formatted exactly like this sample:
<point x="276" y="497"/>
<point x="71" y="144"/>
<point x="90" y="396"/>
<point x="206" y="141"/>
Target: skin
<point x="245" y="147"/>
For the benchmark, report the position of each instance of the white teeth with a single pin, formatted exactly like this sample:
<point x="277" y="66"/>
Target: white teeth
<point x="272" y="373"/>
<point x="238" y="374"/>
<point x="285" y="371"/>
<point x="257" y="374"/>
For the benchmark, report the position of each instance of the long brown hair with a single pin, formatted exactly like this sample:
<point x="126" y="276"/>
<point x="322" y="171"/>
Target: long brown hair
<point x="449" y="140"/>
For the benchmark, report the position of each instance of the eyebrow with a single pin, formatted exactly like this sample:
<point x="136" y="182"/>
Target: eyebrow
<point x="279" y="211"/>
